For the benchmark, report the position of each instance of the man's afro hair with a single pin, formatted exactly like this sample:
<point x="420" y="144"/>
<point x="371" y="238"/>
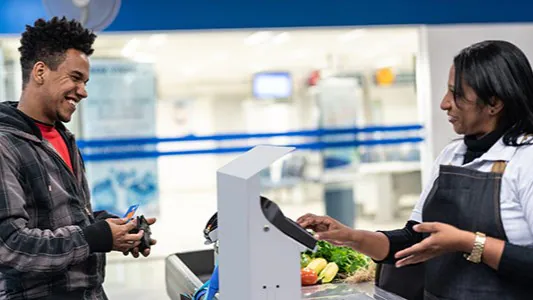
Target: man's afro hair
<point x="48" y="41"/>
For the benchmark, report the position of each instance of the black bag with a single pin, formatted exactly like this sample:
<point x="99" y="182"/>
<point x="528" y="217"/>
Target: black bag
<point x="407" y="282"/>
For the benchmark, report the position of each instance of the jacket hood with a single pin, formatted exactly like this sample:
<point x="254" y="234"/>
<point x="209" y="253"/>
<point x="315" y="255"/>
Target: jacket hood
<point x="15" y="121"/>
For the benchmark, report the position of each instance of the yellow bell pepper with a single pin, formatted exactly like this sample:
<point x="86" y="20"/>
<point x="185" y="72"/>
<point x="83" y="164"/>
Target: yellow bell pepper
<point x="328" y="273"/>
<point x="317" y="264"/>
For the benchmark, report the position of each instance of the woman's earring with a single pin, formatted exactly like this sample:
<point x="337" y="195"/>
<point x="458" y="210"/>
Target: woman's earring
<point x="492" y="111"/>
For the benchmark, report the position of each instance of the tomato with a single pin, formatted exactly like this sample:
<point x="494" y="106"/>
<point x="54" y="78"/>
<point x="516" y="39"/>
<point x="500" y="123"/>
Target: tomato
<point x="309" y="276"/>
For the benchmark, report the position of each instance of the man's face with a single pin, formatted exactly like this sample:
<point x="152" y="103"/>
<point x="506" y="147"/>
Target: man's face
<point x="65" y="86"/>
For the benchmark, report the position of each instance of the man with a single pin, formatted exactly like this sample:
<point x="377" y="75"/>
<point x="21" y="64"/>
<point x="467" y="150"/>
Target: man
<point x="52" y="246"/>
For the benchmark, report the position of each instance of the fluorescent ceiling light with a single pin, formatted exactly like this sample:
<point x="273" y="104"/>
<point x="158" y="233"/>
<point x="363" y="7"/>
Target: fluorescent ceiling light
<point x="257" y="38"/>
<point x="143" y="58"/>
<point x="220" y="56"/>
<point x="130" y="48"/>
<point x="281" y="38"/>
<point x="157" y="39"/>
<point x="352" y="35"/>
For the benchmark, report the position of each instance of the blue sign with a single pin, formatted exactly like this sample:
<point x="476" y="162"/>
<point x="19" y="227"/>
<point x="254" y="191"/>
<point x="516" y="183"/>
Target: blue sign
<point x="121" y="103"/>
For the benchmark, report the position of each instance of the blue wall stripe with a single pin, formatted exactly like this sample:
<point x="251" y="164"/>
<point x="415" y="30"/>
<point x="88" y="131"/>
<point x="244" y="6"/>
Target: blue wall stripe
<point x="225" y="150"/>
<point x="239" y="136"/>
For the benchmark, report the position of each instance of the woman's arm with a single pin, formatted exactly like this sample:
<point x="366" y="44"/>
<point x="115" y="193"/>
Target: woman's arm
<point x="380" y="246"/>
<point x="400" y="239"/>
<point x="373" y="244"/>
<point x="516" y="263"/>
<point x="511" y="261"/>
<point x="492" y="253"/>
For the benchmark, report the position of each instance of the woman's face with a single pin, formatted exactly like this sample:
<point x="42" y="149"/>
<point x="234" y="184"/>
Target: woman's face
<point x="467" y="116"/>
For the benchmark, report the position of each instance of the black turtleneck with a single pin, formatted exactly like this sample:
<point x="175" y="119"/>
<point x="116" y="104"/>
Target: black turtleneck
<point x="476" y="147"/>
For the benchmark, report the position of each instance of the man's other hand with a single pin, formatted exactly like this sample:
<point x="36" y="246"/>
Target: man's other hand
<point x="135" y="250"/>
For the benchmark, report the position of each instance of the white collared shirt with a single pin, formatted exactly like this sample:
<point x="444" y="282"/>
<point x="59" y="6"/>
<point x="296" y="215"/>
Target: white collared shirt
<point x="516" y="196"/>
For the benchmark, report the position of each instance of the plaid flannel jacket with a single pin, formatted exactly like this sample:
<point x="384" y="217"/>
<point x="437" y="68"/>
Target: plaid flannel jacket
<point x="44" y="206"/>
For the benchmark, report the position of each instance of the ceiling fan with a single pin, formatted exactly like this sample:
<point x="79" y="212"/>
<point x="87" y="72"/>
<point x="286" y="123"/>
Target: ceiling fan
<point x="93" y="14"/>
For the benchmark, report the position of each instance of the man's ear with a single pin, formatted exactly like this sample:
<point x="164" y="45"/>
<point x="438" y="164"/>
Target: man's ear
<point x="496" y="106"/>
<point x="39" y="72"/>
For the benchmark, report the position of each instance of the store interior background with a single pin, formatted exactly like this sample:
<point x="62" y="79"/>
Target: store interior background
<point x="204" y="87"/>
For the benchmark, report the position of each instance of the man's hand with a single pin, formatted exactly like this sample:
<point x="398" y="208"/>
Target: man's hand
<point x="122" y="239"/>
<point x="135" y="250"/>
<point x="329" y="229"/>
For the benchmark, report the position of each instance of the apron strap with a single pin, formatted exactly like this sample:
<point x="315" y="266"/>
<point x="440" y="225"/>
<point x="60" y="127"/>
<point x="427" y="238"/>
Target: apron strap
<point x="526" y="136"/>
<point x="499" y="167"/>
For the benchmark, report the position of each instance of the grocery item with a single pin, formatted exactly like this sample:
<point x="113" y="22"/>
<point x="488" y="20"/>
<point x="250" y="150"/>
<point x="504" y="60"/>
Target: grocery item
<point x="309" y="276"/>
<point x="336" y="264"/>
<point x="317" y="264"/>
<point x="329" y="272"/>
<point x="305" y="259"/>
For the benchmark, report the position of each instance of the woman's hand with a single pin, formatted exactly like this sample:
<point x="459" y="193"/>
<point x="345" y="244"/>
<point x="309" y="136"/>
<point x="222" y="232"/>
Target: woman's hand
<point x="443" y="238"/>
<point x="373" y="244"/>
<point x="329" y="229"/>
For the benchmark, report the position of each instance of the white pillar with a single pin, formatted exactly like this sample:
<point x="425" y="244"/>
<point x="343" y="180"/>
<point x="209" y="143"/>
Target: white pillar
<point x="438" y="46"/>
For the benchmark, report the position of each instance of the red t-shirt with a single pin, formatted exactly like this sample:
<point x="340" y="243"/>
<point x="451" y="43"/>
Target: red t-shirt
<point x="53" y="136"/>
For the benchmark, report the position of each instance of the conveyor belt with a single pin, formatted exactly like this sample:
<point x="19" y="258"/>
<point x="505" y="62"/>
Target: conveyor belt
<point x="344" y="291"/>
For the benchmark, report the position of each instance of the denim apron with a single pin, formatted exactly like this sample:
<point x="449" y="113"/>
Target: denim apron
<point x="469" y="200"/>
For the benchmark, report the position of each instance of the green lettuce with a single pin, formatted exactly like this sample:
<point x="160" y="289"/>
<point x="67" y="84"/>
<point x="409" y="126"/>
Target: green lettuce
<point x="346" y="258"/>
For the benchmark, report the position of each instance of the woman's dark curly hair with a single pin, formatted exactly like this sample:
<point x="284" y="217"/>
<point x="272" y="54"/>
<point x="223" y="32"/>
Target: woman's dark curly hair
<point x="48" y="41"/>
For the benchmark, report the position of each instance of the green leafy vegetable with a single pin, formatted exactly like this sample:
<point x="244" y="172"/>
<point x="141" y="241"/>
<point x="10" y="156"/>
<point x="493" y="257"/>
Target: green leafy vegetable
<point x="346" y="258"/>
<point x="305" y="259"/>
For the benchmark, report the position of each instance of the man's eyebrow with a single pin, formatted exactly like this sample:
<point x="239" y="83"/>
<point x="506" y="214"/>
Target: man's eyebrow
<point x="80" y="74"/>
<point x="77" y="73"/>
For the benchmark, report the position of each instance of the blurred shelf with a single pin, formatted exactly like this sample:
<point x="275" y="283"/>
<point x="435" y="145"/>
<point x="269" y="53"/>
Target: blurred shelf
<point x="379" y="168"/>
<point x="389" y="167"/>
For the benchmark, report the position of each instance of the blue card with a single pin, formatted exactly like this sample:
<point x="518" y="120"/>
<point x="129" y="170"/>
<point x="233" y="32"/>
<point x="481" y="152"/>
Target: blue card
<point x="131" y="212"/>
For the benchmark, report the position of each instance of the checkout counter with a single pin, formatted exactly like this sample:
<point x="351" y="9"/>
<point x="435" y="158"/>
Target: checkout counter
<point x="257" y="249"/>
<point x="186" y="272"/>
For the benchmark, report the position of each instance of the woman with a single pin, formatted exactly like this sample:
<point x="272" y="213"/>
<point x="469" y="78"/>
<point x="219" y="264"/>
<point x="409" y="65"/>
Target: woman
<point x="471" y="232"/>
